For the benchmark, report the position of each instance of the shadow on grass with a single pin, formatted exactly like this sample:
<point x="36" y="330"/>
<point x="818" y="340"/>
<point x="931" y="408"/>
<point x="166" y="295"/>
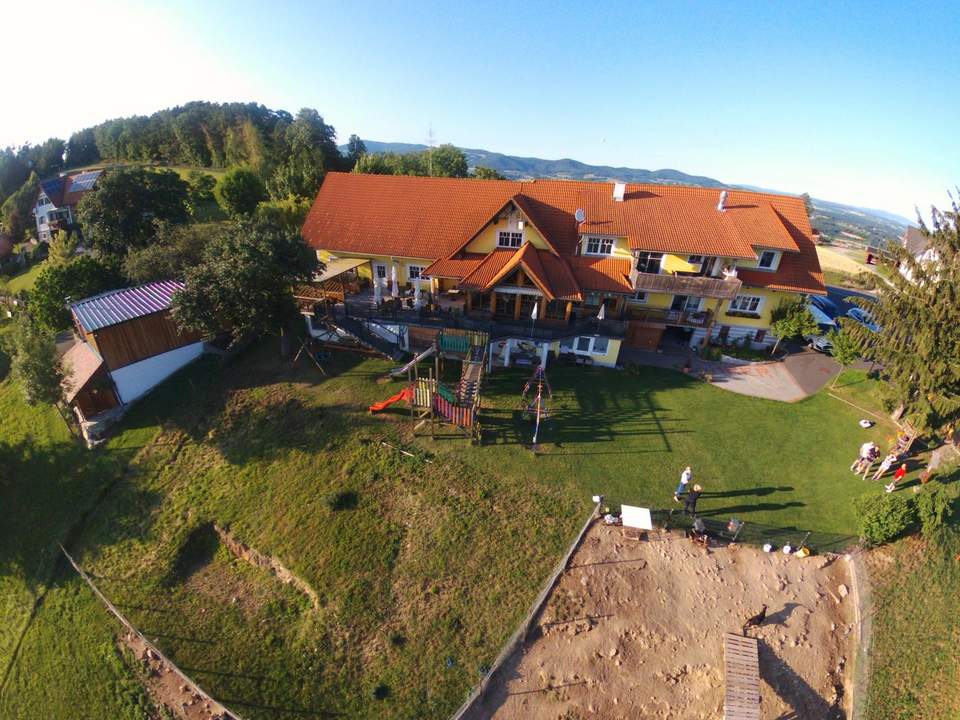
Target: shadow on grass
<point x="732" y="510"/>
<point x="761" y="491"/>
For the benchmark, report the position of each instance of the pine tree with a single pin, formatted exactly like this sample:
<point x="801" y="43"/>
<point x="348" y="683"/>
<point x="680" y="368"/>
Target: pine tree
<point x="918" y="344"/>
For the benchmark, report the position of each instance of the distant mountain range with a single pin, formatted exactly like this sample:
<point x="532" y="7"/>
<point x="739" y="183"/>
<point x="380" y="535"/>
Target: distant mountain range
<point x="833" y="220"/>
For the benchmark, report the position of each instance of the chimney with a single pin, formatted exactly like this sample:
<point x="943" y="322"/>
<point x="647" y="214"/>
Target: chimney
<point x="721" y="206"/>
<point x="618" y="191"/>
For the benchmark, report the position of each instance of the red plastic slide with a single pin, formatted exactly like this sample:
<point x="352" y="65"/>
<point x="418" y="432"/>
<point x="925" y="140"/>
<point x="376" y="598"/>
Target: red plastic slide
<point x="384" y="404"/>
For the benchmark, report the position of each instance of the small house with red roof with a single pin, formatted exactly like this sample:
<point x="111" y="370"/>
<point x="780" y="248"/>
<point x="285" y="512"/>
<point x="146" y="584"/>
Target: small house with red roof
<point x="128" y="345"/>
<point x="56" y="206"/>
<point x="576" y="268"/>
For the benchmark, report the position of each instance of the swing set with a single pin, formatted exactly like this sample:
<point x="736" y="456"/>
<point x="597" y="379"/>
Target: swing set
<point x="535" y="403"/>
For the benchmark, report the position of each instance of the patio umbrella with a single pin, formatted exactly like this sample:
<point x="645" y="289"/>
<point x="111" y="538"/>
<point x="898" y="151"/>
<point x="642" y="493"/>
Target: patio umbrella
<point x="416" y="294"/>
<point x="377" y="292"/>
<point x="394" y="289"/>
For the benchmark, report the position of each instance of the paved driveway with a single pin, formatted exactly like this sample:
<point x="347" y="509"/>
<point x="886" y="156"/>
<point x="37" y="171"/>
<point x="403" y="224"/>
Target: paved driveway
<point x="798" y="376"/>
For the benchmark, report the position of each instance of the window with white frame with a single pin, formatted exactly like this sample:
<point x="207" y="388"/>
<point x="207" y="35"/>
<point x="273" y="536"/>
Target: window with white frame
<point x="768" y="260"/>
<point x="648" y="262"/>
<point x="599" y="246"/>
<point x="413" y="271"/>
<point x="640" y="296"/>
<point x="585" y="345"/>
<point x="746" y="304"/>
<point x="509" y="239"/>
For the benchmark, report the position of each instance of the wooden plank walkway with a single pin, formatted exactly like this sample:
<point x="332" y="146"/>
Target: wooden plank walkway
<point x="742" y="677"/>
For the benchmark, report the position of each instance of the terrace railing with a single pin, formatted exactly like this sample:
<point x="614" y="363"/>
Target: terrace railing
<point x="691" y="285"/>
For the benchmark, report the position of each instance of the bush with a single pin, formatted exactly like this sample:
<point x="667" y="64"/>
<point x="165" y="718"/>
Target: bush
<point x="933" y="508"/>
<point x="883" y="518"/>
<point x="711" y="352"/>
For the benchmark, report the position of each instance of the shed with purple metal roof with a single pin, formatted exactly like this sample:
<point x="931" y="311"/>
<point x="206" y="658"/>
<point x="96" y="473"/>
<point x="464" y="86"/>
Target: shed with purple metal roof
<point x="132" y="332"/>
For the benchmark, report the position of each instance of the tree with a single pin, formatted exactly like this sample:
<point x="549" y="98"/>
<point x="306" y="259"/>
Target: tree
<point x="239" y="191"/>
<point x="311" y="152"/>
<point x="845" y="350"/>
<point x="447" y="161"/>
<point x="792" y="319"/>
<point x="918" y="345"/>
<point x="82" y="148"/>
<point x="442" y="161"/>
<point x="200" y="189"/>
<point x="63" y="247"/>
<point x="57" y="285"/>
<point x="16" y="213"/>
<point x="242" y="283"/>
<point x="484" y="173"/>
<point x="808" y="204"/>
<point x="120" y="213"/>
<point x="288" y="214"/>
<point x="33" y="361"/>
<point x="174" y="248"/>
<point x="355" y="150"/>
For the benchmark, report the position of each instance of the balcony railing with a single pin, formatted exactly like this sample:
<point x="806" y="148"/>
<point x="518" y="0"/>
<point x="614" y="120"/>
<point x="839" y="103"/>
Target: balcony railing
<point x="666" y="316"/>
<point x="543" y="330"/>
<point x="689" y="285"/>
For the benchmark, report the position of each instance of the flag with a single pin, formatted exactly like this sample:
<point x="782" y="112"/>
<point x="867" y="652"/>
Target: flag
<point x="603" y="312"/>
<point x="536" y="308"/>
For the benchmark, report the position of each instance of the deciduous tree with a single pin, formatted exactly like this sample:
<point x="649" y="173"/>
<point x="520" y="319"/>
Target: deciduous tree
<point x="792" y="319"/>
<point x="63" y="246"/>
<point x="239" y="192"/>
<point x="845" y="350"/>
<point x="173" y="249"/>
<point x="57" y="285"/>
<point x="33" y="361"/>
<point x="242" y="283"/>
<point x="16" y="211"/>
<point x="120" y="213"/>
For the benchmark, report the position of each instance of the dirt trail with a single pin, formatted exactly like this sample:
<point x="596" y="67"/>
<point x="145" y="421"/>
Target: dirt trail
<point x="635" y="630"/>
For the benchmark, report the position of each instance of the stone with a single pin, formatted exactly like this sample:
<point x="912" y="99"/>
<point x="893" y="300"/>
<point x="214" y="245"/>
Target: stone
<point x="842" y="591"/>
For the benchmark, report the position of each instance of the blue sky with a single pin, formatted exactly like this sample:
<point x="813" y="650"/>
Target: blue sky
<point x="848" y="101"/>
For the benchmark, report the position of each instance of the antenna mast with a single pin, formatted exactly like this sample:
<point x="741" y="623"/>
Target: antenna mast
<point x="430" y="143"/>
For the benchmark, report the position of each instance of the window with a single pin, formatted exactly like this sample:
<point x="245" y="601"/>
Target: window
<point x="586" y="345"/>
<point x="556" y="310"/>
<point x="640" y="296"/>
<point x="381" y="271"/>
<point x="746" y="304"/>
<point x="508" y="239"/>
<point x="583" y="344"/>
<point x="414" y="271"/>
<point x="566" y="344"/>
<point x="761" y="334"/>
<point x="767" y="260"/>
<point x="599" y="246"/>
<point x="648" y="262"/>
<point x="696" y="260"/>
<point x="600" y="345"/>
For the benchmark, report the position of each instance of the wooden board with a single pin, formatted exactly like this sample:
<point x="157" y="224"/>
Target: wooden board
<point x="742" y="678"/>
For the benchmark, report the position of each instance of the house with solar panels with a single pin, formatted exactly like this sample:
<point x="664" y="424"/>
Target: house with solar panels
<point x="56" y="207"/>
<point x="128" y="345"/>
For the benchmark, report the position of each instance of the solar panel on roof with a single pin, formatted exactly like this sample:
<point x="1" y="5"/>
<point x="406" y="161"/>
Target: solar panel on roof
<point x="84" y="181"/>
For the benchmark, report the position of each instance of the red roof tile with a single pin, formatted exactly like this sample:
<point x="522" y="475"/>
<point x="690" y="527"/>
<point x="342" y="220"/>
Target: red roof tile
<point x="435" y="217"/>
<point x="456" y="267"/>
<point x="602" y="274"/>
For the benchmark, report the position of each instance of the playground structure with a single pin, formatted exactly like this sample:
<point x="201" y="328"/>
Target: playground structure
<point x="536" y="405"/>
<point x="433" y="402"/>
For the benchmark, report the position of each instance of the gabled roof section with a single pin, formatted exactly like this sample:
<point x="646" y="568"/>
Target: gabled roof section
<point x="80" y="363"/>
<point x="602" y="274"/>
<point x="457" y="267"/>
<point x="549" y="272"/>
<point x="117" y="306"/>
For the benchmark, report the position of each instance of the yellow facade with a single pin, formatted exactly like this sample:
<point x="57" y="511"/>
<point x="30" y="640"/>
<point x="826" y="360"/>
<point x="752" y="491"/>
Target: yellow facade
<point x="621" y="248"/>
<point x="769" y="300"/>
<point x="486" y="240"/>
<point x="366" y="270"/>
<point x="609" y="358"/>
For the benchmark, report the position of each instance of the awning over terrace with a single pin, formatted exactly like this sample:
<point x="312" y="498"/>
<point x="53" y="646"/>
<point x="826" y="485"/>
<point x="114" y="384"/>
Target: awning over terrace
<point x="338" y="266"/>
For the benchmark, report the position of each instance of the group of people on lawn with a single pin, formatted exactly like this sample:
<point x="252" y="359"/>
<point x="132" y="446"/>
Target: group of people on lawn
<point x="869" y="454"/>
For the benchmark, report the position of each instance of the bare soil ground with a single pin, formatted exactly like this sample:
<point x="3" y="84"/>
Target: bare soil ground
<point x="634" y="629"/>
<point x="168" y="690"/>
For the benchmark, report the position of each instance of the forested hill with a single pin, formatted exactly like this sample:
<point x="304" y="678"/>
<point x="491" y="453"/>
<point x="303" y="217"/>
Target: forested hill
<point x="833" y="220"/>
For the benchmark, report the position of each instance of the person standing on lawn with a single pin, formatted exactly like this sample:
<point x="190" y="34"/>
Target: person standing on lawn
<point x="897" y="477"/>
<point x="869" y="460"/>
<point x="866" y="450"/>
<point x="685" y="477"/>
<point x="690" y="504"/>
<point x="887" y="463"/>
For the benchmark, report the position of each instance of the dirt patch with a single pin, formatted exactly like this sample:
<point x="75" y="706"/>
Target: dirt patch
<point x="635" y="629"/>
<point x="167" y="689"/>
<point x="245" y="552"/>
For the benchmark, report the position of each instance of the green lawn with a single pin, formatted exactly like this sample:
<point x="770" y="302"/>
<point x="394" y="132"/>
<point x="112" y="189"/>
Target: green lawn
<point x="422" y="568"/>
<point x="25" y="280"/>
<point x="915" y="656"/>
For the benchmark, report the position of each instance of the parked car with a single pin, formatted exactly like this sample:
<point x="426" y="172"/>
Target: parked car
<point x="863" y="317"/>
<point x="821" y="343"/>
<point x="825" y="321"/>
<point x="825" y="305"/>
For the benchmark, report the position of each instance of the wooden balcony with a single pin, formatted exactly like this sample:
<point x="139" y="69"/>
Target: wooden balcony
<point x="666" y="316"/>
<point x="692" y="285"/>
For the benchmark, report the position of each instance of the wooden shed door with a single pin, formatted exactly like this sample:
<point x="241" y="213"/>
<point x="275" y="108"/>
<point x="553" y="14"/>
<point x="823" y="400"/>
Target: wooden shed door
<point x="643" y="336"/>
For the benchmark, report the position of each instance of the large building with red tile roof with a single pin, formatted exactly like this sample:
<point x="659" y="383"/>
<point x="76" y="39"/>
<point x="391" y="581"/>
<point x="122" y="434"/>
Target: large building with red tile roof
<point x="670" y="263"/>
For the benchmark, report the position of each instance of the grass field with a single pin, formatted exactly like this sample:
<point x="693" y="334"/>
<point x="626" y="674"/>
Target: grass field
<point x="422" y="569"/>
<point x="915" y="654"/>
<point x="23" y="281"/>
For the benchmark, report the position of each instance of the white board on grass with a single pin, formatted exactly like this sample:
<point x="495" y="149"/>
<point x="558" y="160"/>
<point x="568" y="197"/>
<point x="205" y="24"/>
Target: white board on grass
<point x="636" y="517"/>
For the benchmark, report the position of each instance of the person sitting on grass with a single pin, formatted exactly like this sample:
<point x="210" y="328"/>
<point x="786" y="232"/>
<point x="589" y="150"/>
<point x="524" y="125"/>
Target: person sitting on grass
<point x="887" y="463"/>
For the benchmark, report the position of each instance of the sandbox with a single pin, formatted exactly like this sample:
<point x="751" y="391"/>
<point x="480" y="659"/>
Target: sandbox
<point x="634" y="629"/>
